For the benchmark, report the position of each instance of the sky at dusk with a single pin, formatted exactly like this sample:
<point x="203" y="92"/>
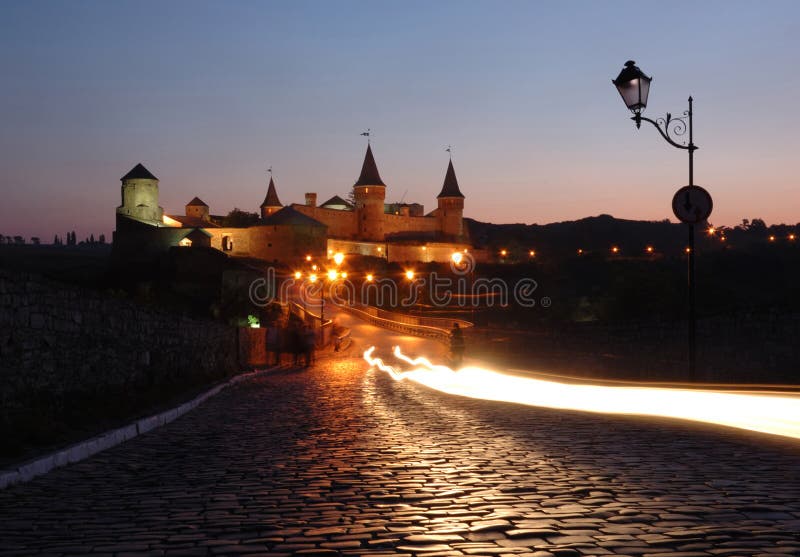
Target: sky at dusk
<point x="209" y="95"/>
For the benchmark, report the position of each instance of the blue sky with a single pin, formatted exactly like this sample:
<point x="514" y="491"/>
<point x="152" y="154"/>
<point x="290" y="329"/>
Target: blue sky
<point x="208" y="95"/>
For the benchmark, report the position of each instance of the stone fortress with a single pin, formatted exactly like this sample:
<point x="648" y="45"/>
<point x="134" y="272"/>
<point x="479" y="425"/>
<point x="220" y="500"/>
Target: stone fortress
<point x="368" y="226"/>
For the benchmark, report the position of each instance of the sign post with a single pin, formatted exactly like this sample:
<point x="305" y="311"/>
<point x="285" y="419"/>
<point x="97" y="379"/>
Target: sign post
<point x="692" y="205"/>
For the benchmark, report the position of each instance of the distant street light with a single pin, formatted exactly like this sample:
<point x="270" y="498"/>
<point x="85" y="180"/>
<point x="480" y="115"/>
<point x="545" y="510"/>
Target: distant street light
<point x="457" y="257"/>
<point x="691" y="204"/>
<point x="338" y="258"/>
<point x="410" y="274"/>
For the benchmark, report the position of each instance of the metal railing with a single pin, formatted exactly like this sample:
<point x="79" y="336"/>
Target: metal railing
<point x="406" y="324"/>
<point x="438" y="322"/>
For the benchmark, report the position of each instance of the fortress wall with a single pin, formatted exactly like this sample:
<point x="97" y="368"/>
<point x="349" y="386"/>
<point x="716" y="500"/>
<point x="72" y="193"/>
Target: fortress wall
<point x="393" y="224"/>
<point x="341" y="224"/>
<point x="270" y="243"/>
<point x="287" y="243"/>
<point x="239" y="236"/>
<point x="354" y="247"/>
<point x="433" y="251"/>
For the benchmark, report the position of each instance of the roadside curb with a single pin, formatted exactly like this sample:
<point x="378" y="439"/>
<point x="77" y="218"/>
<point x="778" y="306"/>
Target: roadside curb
<point x="82" y="450"/>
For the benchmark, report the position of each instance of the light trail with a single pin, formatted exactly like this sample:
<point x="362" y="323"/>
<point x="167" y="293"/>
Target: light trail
<point x="773" y="414"/>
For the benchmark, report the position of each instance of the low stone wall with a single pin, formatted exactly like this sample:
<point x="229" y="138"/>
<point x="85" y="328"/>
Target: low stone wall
<point x="66" y="350"/>
<point x="747" y="347"/>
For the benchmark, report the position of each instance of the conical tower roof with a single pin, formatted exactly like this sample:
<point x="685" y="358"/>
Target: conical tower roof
<point x="139" y="172"/>
<point x="197" y="202"/>
<point x="450" y="187"/>
<point x="369" y="171"/>
<point x="272" y="196"/>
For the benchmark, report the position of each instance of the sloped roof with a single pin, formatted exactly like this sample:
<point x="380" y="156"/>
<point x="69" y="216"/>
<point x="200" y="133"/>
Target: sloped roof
<point x="292" y="217"/>
<point x="450" y="186"/>
<point x="271" y="200"/>
<point x="196" y="202"/>
<point x="369" y="171"/>
<point x="336" y="200"/>
<point x="139" y="172"/>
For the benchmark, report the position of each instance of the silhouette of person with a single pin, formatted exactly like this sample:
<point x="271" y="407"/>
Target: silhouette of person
<point x="457" y="344"/>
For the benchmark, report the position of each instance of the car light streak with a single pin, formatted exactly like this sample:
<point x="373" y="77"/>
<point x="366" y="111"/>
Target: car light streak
<point x="773" y="414"/>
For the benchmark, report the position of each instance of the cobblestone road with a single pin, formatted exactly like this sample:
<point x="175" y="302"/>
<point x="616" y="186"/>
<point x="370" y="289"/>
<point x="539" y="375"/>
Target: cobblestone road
<point x="342" y="460"/>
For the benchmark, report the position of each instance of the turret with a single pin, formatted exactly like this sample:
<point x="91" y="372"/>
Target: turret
<point x="197" y="208"/>
<point x="140" y="196"/>
<point x="450" y="216"/>
<point x="369" y="193"/>
<point x="271" y="203"/>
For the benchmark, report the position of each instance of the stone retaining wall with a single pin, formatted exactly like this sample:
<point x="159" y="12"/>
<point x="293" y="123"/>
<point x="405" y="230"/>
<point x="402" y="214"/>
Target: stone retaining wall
<point x="64" y="349"/>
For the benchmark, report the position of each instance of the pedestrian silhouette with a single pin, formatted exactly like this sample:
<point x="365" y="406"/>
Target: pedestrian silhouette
<point x="457" y="345"/>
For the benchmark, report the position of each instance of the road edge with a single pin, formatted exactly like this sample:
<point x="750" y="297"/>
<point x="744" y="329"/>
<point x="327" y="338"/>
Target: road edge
<point x="82" y="450"/>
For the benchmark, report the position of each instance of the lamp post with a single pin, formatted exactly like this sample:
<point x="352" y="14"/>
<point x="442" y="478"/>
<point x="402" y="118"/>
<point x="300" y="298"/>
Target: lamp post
<point x="691" y="204"/>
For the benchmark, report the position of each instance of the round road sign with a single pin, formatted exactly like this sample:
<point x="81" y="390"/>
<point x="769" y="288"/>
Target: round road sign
<point x="692" y="204"/>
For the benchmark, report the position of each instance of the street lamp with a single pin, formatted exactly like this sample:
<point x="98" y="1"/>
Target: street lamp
<point x="691" y="204"/>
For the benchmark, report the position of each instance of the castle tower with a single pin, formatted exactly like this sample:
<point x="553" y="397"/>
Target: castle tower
<point x="450" y="216"/>
<point x="198" y="209"/>
<point x="271" y="203"/>
<point x="140" y="196"/>
<point x="369" y="193"/>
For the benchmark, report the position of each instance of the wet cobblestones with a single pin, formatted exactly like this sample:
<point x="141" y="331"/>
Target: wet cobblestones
<point x="338" y="460"/>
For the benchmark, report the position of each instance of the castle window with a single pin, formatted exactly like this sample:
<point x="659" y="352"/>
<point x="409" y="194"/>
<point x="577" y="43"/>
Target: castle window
<point x="227" y="243"/>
